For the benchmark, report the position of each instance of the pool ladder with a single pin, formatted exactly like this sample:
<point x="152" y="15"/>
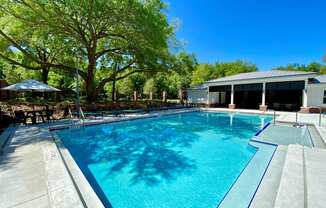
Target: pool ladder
<point x="80" y="122"/>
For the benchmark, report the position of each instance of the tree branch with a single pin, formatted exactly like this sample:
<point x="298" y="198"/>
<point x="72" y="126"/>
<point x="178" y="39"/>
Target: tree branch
<point x="69" y="69"/>
<point x="25" y="52"/>
<point x="101" y="53"/>
<point x="12" y="61"/>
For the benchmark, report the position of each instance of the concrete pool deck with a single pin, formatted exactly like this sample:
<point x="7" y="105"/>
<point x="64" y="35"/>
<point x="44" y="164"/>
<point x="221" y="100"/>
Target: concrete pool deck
<point x="33" y="173"/>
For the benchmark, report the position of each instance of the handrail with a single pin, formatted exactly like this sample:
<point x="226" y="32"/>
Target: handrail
<point x="82" y="116"/>
<point x="320" y="115"/>
<point x="274" y="117"/>
<point x="319" y="119"/>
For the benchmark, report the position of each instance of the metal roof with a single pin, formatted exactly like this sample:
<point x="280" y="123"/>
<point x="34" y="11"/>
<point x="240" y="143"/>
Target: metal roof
<point x="260" y="75"/>
<point x="199" y="87"/>
<point x="321" y="78"/>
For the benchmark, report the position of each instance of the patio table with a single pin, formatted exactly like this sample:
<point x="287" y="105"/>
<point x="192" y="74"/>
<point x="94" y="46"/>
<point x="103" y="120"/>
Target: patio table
<point x="34" y="114"/>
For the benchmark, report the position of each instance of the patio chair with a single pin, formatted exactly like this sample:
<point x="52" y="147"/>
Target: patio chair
<point x="276" y="106"/>
<point x="49" y="114"/>
<point x="19" y="117"/>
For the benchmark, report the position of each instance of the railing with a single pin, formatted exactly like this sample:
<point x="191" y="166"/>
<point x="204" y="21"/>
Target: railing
<point x="299" y="120"/>
<point x="319" y="118"/>
<point x="320" y="115"/>
<point x="274" y="115"/>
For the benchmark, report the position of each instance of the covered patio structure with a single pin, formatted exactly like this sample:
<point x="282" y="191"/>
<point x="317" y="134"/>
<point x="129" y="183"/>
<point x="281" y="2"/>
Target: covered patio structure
<point x="278" y="90"/>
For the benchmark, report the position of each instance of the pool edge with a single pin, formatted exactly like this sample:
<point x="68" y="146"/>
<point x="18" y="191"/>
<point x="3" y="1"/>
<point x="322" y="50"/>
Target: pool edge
<point x="85" y="190"/>
<point x="82" y="184"/>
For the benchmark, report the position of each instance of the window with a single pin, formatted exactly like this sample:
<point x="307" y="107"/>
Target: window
<point x="324" y="98"/>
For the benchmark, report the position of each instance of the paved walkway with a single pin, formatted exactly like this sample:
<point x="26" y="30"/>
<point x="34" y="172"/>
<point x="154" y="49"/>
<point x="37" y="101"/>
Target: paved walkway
<point x="304" y="118"/>
<point x="32" y="173"/>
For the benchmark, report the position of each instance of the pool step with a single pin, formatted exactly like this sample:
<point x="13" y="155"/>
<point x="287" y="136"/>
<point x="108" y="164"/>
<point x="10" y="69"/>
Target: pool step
<point x="291" y="192"/>
<point x="295" y="178"/>
<point x="267" y="191"/>
<point x="315" y="177"/>
<point x="316" y="138"/>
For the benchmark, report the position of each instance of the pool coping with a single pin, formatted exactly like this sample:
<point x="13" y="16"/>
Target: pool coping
<point x="122" y="119"/>
<point x="85" y="191"/>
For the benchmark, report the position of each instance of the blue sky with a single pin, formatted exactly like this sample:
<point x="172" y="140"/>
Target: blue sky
<point x="268" y="33"/>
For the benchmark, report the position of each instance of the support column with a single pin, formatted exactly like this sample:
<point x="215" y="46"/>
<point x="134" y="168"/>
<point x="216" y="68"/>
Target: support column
<point x="232" y="105"/>
<point x="208" y="97"/>
<point x="263" y="106"/>
<point x="135" y="96"/>
<point x="164" y="96"/>
<point x="150" y="95"/>
<point x="304" y="107"/>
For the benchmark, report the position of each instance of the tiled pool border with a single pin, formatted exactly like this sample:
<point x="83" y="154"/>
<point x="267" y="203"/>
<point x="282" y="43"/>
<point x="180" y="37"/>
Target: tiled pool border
<point x="86" y="191"/>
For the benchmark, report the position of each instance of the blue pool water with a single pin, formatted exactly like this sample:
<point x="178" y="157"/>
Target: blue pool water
<point x="176" y="161"/>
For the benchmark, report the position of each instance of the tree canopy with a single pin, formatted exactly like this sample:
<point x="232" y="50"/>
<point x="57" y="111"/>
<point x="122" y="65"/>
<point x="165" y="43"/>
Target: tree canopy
<point x="92" y="38"/>
<point x="204" y="72"/>
<point x="312" y="67"/>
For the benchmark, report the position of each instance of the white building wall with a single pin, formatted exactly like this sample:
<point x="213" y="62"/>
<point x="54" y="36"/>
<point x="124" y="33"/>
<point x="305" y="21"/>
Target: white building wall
<point x="315" y="94"/>
<point x="197" y="96"/>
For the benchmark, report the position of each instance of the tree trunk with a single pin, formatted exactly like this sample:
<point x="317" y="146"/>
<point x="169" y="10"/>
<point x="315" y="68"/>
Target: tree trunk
<point x="45" y="75"/>
<point x="113" y="89"/>
<point x="91" y="91"/>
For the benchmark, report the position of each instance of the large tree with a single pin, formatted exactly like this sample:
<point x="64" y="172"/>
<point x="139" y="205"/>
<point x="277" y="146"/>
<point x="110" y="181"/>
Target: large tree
<point x="88" y="37"/>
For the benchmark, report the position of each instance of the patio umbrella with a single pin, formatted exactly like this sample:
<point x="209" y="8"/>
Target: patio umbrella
<point x="30" y="86"/>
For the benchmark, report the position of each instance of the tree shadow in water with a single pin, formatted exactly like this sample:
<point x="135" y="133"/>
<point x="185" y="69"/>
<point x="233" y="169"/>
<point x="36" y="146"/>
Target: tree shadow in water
<point x="151" y="152"/>
<point x="150" y="157"/>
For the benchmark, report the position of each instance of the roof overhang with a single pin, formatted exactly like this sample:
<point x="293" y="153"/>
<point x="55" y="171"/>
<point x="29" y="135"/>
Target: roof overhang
<point x="286" y="78"/>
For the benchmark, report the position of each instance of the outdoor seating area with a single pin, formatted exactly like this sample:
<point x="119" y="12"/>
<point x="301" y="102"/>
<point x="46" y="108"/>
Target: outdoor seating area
<point x="284" y="106"/>
<point x="33" y="116"/>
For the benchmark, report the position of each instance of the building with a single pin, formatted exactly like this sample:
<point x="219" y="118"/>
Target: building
<point x="278" y="90"/>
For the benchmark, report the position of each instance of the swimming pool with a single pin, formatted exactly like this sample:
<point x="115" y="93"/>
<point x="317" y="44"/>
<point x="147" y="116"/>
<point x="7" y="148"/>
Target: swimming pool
<point x="182" y="160"/>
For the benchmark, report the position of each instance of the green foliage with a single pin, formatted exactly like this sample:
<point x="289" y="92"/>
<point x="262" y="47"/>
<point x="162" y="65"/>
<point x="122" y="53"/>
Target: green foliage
<point x="149" y="86"/>
<point x="312" y="67"/>
<point x="2" y="70"/>
<point x="204" y="72"/>
<point x="137" y="82"/>
<point x="230" y="68"/>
